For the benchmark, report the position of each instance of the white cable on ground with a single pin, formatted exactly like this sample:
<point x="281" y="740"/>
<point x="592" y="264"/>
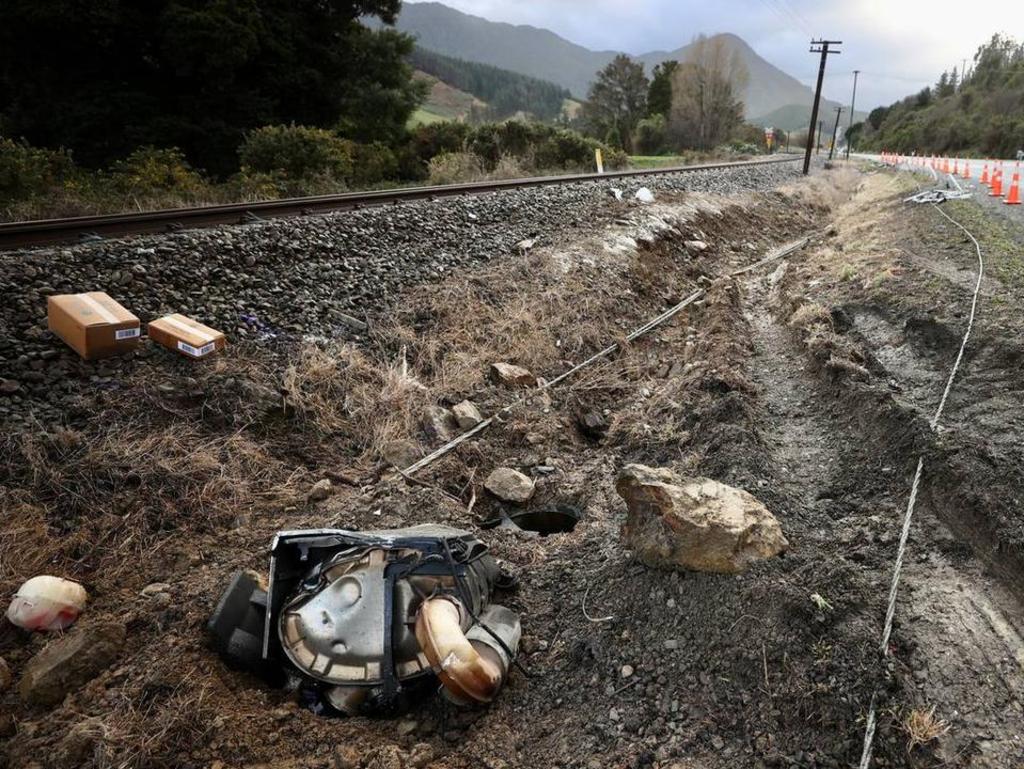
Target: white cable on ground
<point x="890" y="611"/>
<point x="634" y="334"/>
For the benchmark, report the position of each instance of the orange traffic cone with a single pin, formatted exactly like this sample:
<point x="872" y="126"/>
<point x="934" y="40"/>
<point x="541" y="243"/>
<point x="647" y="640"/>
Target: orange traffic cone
<point x="996" y="190"/>
<point x="945" y="165"/>
<point x="984" y="174"/>
<point x="956" y="166"/>
<point x="967" y="170"/>
<point x="1013" y="199"/>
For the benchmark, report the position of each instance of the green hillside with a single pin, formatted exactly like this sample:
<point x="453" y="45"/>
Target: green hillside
<point x="980" y="114"/>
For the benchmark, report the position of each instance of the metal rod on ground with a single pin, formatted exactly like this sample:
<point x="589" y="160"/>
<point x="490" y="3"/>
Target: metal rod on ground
<point x="824" y="51"/>
<point x="835" y="130"/>
<point x="853" y="107"/>
<point x="635" y="334"/>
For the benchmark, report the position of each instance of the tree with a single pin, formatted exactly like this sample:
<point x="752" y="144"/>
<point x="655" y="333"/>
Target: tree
<point x="617" y="101"/>
<point x="659" y="95"/>
<point x="105" y="77"/>
<point x="706" y="107"/>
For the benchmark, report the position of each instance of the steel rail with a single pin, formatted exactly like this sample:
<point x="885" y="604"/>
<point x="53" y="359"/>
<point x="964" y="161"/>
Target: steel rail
<point x="42" y="232"/>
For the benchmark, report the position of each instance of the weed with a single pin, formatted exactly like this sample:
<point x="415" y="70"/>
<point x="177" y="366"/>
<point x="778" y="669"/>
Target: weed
<point x="923" y="727"/>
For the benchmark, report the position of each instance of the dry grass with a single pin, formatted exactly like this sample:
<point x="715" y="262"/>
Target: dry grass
<point x="106" y="498"/>
<point x="810" y="314"/>
<point x="922" y="727"/>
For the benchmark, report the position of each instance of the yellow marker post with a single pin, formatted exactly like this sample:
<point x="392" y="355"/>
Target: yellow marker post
<point x="600" y="160"/>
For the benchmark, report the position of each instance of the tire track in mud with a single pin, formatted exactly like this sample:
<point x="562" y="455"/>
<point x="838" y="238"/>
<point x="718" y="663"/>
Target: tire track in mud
<point x="958" y="635"/>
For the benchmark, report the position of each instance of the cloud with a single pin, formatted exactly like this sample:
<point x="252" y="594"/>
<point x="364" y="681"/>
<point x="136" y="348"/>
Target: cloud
<point x="900" y="47"/>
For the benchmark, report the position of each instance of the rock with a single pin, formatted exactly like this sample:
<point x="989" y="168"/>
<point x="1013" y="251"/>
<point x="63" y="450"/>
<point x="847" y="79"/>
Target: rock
<point x="9" y="386"/>
<point x="467" y="415"/>
<point x="695" y="246"/>
<point x="353" y="323"/>
<point x="79" y="744"/>
<point x="407" y="727"/>
<point x="401" y="453"/>
<point x="320" y="490"/>
<point x="509" y="374"/>
<point x="421" y="755"/>
<point x="154" y="588"/>
<point x="644" y="195"/>
<point x="524" y="245"/>
<point x="439" y="423"/>
<point x="627" y="671"/>
<point x="592" y="423"/>
<point x="509" y="485"/>
<point x="695" y="523"/>
<point x="5" y="675"/>
<point x="65" y="664"/>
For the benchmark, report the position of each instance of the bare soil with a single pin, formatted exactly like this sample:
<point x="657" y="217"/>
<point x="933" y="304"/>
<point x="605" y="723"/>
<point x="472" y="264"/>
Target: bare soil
<point x="807" y="382"/>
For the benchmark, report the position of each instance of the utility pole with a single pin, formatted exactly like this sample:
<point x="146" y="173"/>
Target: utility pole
<point x="853" y="105"/>
<point x="823" y="49"/>
<point x="821" y="130"/>
<point x="835" y="130"/>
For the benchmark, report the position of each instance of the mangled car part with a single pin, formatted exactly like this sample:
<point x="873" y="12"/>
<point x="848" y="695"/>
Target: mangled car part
<point x="362" y="619"/>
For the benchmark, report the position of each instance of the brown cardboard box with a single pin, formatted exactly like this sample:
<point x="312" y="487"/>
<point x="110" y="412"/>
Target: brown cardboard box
<point x="187" y="336"/>
<point x="92" y="324"/>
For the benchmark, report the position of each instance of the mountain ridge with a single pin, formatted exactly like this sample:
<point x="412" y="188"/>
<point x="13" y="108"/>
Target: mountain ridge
<point x="543" y="54"/>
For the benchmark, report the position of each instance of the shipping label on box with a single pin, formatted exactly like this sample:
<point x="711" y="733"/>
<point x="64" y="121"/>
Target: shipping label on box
<point x="92" y="324"/>
<point x="187" y="336"/>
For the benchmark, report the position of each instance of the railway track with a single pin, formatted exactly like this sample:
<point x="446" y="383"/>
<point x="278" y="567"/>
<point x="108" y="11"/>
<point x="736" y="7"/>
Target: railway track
<point x="14" y="235"/>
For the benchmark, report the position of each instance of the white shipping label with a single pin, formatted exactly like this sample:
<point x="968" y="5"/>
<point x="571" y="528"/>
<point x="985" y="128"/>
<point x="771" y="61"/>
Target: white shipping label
<point x="196" y="352"/>
<point x="127" y="333"/>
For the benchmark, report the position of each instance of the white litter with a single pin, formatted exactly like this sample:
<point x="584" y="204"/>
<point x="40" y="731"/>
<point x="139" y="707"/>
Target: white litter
<point x="644" y="195"/>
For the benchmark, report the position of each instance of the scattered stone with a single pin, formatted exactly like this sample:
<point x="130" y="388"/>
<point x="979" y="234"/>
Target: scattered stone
<point x="439" y="423"/>
<point x="67" y="663"/>
<point x="9" y="386"/>
<point x="5" y="675"/>
<point x="352" y="322"/>
<point x="509" y="485"/>
<point x="421" y="755"/>
<point x="592" y="423"/>
<point x="320" y="490"/>
<point x="627" y="671"/>
<point x="401" y="453"/>
<point x="154" y="588"/>
<point x="407" y="727"/>
<point x="524" y="245"/>
<point x="695" y="246"/>
<point x="510" y="374"/>
<point x="695" y="523"/>
<point x="671" y="644"/>
<point x="467" y="415"/>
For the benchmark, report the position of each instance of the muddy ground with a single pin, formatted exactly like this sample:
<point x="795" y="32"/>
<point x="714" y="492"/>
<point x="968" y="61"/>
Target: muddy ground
<point x="808" y="382"/>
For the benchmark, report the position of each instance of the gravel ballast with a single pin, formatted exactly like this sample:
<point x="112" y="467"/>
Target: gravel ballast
<point x="281" y="279"/>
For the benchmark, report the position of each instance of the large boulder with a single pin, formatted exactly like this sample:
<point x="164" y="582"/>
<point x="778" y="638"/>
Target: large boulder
<point x="695" y="523"/>
<point x="66" y="664"/>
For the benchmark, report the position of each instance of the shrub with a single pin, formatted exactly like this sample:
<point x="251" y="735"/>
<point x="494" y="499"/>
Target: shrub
<point x="373" y="164"/>
<point x="455" y="167"/>
<point x="296" y="153"/>
<point x="27" y="172"/>
<point x="651" y="135"/>
<point x="150" y="170"/>
<point x="429" y="141"/>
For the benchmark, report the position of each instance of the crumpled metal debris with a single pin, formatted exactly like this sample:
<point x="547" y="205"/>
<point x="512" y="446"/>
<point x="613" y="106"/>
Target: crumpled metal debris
<point x="361" y="622"/>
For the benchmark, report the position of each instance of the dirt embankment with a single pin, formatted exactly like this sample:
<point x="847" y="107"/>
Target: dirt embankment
<point x="763" y="385"/>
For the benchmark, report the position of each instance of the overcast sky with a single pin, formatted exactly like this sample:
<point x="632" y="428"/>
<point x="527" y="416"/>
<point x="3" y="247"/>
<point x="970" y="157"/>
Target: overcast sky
<point x="899" y="45"/>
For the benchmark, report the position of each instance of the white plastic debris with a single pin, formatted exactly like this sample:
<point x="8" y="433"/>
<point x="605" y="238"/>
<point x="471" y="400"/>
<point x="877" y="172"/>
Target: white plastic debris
<point x="616" y="193"/>
<point x="47" y="603"/>
<point x="644" y="195"/>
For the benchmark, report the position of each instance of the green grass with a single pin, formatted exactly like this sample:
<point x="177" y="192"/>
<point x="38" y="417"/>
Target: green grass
<point x="656" y="161"/>
<point x="425" y="117"/>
